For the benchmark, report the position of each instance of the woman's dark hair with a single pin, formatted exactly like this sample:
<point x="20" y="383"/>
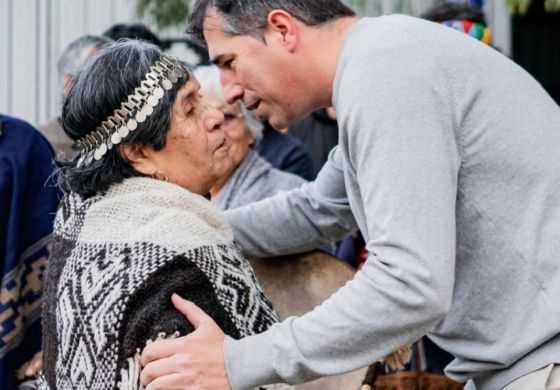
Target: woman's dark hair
<point x="101" y="86"/>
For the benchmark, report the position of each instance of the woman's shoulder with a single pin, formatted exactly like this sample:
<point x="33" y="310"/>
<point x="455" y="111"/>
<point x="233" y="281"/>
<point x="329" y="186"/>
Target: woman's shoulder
<point x="148" y="210"/>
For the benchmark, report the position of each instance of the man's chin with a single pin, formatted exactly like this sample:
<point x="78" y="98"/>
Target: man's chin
<point x="278" y="123"/>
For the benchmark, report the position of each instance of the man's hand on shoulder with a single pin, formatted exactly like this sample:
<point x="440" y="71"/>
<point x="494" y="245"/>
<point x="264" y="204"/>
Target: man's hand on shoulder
<point x="192" y="362"/>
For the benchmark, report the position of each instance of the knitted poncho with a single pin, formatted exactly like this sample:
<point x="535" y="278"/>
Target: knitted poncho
<point x="117" y="259"/>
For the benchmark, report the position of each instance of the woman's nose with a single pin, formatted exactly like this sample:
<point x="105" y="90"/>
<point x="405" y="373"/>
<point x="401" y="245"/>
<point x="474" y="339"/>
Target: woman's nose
<point x="214" y="118"/>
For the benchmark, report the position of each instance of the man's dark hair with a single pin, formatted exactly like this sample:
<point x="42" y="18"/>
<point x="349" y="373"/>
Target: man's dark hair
<point x="249" y="17"/>
<point x="101" y="86"/>
<point x="451" y="11"/>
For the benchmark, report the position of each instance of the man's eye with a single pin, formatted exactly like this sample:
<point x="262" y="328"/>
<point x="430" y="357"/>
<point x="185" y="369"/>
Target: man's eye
<point x="227" y="64"/>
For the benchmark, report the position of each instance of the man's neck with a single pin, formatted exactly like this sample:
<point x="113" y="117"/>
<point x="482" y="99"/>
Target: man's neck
<point x="327" y="43"/>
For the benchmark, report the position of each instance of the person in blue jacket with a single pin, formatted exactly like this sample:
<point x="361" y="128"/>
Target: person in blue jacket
<point x="28" y="202"/>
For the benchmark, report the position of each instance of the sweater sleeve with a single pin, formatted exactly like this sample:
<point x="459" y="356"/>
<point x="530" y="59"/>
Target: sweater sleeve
<point x="405" y="162"/>
<point x="295" y="221"/>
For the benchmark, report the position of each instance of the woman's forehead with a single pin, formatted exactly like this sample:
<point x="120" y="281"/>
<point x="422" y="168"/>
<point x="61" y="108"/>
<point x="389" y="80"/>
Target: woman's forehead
<point x="188" y="89"/>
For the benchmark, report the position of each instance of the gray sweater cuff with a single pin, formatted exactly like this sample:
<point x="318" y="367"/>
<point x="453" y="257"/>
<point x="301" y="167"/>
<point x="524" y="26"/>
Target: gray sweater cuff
<point x="249" y="362"/>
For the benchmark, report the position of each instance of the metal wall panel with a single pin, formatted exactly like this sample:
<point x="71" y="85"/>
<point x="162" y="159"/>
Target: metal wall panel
<point x="5" y="54"/>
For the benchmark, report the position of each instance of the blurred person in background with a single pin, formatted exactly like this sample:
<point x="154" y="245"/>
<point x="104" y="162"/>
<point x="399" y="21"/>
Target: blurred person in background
<point x="137" y="31"/>
<point x="461" y="17"/>
<point x="68" y="66"/>
<point x="28" y="202"/>
<point x="319" y="132"/>
<point x="285" y="152"/>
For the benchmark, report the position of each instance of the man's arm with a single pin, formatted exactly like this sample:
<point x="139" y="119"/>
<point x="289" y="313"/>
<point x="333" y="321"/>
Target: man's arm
<point x="406" y="161"/>
<point x="298" y="220"/>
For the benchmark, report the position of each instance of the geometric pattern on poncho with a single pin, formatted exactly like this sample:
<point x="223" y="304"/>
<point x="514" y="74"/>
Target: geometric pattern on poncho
<point x="94" y="288"/>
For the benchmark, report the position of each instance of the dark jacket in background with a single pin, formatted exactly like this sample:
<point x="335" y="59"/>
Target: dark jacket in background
<point x="286" y="153"/>
<point x="319" y="133"/>
<point x="28" y="202"/>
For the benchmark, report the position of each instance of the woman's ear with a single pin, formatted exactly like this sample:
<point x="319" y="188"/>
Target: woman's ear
<point x="140" y="157"/>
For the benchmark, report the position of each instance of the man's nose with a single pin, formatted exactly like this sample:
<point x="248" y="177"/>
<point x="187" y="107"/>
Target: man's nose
<point x="232" y="90"/>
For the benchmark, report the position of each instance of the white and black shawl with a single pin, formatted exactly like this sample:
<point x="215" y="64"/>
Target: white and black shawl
<point x="117" y="258"/>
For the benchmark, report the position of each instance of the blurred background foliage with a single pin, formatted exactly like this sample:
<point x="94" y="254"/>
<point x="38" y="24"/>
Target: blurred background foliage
<point x="164" y="13"/>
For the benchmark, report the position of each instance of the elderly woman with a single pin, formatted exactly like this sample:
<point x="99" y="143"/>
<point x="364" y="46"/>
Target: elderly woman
<point x="135" y="225"/>
<point x="251" y="177"/>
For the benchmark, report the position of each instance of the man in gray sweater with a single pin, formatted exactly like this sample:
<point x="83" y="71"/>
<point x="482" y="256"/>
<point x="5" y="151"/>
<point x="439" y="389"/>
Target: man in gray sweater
<point x="449" y="165"/>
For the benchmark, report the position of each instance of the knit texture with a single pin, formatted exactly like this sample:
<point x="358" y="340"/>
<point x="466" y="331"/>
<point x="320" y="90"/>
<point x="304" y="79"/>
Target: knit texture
<point x="117" y="259"/>
<point x="253" y="180"/>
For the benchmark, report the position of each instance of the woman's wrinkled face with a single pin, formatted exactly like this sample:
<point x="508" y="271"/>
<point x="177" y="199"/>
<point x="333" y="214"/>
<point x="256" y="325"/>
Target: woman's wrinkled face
<point x="196" y="154"/>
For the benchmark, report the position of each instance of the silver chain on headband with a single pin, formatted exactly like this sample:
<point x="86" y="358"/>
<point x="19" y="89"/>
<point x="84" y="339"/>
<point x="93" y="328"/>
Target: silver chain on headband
<point x="134" y="110"/>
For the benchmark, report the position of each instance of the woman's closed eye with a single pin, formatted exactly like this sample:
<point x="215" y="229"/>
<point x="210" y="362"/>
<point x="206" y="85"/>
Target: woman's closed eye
<point x="230" y="117"/>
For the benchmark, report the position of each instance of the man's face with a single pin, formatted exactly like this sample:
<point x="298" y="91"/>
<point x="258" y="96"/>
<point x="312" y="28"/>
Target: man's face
<point x="257" y="73"/>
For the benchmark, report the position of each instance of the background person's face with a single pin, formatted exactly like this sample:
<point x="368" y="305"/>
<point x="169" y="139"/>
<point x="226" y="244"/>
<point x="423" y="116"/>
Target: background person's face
<point x="196" y="153"/>
<point x="236" y="131"/>
<point x="256" y="73"/>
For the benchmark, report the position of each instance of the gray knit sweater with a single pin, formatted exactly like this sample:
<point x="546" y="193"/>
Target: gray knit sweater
<point x="254" y="179"/>
<point x="449" y="165"/>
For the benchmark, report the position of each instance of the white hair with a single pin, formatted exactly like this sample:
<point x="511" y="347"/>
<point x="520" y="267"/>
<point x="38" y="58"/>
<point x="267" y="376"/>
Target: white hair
<point x="210" y="85"/>
<point x="77" y="53"/>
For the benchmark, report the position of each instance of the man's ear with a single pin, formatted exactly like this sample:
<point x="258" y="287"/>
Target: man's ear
<point x="283" y="28"/>
<point x="140" y="157"/>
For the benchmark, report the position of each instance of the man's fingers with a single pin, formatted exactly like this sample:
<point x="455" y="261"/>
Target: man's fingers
<point x="163" y="367"/>
<point x="170" y="382"/>
<point x="194" y="314"/>
<point x="161" y="349"/>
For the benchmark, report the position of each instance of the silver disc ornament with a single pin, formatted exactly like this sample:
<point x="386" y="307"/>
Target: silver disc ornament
<point x="115" y="138"/>
<point x="158" y="93"/>
<point x="123" y="132"/>
<point x="166" y="84"/>
<point x="131" y="124"/>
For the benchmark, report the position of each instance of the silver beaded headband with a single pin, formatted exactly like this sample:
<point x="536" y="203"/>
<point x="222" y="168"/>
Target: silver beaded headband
<point x="134" y="110"/>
